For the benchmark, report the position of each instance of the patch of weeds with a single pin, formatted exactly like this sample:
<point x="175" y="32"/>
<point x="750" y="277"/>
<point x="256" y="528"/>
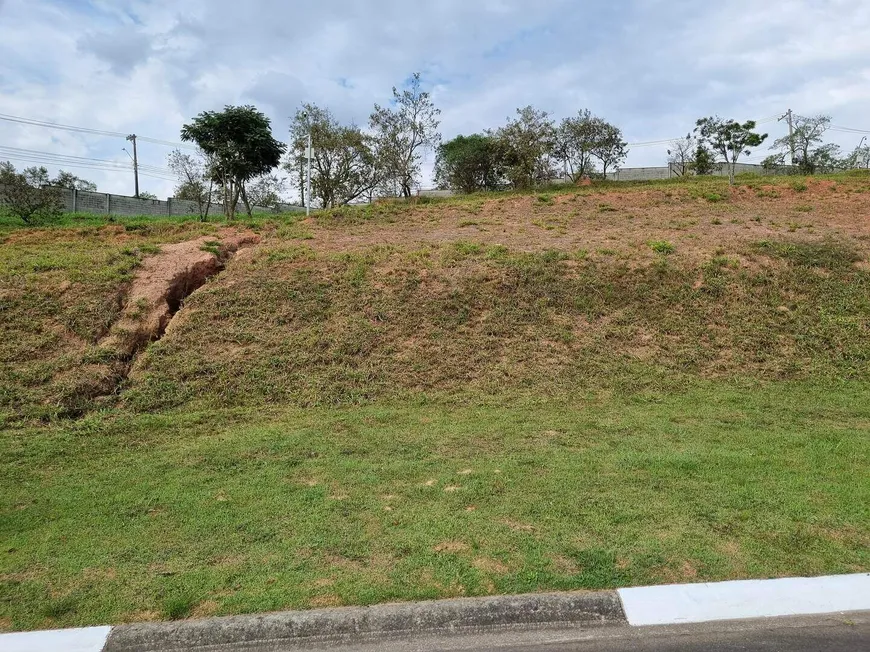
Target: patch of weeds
<point x="606" y="208"/>
<point x="545" y="199"/>
<point x="607" y="252"/>
<point x="763" y="193"/>
<point x="720" y="262"/>
<point x="714" y="197"/>
<point x="662" y="247"/>
<point x="497" y="252"/>
<point x="804" y="208"/>
<point x="462" y="249"/>
<point x="178" y="604"/>
<point x="465" y="223"/>
<point x="716" y="221"/>
<point x="828" y="255"/>
<point x="581" y="254"/>
<point x="211" y="246"/>
<point x="799" y="186"/>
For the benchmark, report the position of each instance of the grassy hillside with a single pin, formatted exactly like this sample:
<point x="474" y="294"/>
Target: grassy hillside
<point x="580" y="388"/>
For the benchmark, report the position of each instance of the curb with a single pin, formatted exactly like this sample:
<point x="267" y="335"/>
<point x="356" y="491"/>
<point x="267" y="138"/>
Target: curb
<point x="655" y="605"/>
<point x="465" y="615"/>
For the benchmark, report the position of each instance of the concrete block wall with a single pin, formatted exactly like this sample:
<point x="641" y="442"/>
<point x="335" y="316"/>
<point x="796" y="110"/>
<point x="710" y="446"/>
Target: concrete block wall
<point x="100" y="203"/>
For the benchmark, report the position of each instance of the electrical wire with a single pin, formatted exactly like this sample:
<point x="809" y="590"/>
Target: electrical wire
<point x="87" y="130"/>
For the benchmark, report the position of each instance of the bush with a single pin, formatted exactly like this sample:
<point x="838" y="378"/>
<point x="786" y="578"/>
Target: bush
<point x="27" y="202"/>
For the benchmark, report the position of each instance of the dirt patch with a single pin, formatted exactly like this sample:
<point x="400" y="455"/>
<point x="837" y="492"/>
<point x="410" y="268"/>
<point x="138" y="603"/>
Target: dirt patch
<point x="489" y="565"/>
<point x="451" y="546"/>
<point x="162" y="284"/>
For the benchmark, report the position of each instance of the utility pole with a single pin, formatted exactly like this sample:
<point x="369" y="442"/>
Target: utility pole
<point x="132" y="137"/>
<point x="308" y="189"/>
<point x="789" y="116"/>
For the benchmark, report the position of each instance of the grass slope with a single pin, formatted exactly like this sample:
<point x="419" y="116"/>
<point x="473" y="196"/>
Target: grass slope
<point x="584" y="389"/>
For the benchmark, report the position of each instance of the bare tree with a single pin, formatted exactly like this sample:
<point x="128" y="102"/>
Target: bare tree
<point x="403" y="132"/>
<point x="807" y="139"/>
<point x="196" y="179"/>
<point x="682" y="153"/>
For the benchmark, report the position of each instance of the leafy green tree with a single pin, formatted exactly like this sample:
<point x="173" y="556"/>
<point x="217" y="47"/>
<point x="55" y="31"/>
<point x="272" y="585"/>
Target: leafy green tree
<point x="147" y="195"/>
<point x="609" y="147"/>
<point x="239" y="143"/>
<point x="729" y="139"/>
<point x="402" y="133"/>
<point x="469" y="164"/>
<point x="575" y="141"/>
<point x="73" y="182"/>
<point x="24" y="196"/>
<point x="704" y="161"/>
<point x="528" y="143"/>
<point x="343" y="166"/>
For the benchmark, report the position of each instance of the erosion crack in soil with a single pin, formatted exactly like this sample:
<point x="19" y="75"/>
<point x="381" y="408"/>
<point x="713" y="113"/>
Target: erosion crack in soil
<point x="160" y="287"/>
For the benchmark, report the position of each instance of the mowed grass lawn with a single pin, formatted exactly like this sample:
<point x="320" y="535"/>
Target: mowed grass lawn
<point x="125" y="518"/>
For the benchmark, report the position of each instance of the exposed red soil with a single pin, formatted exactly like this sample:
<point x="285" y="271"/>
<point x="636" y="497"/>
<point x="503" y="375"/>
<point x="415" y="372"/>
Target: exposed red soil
<point x="163" y="282"/>
<point x="617" y="223"/>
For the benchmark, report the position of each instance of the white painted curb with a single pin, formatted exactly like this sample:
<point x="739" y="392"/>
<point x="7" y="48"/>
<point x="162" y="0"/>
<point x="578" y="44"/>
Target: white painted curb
<point x="698" y="603"/>
<point x="88" y="639"/>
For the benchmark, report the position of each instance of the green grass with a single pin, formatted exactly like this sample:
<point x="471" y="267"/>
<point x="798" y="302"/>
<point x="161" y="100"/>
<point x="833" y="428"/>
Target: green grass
<point x="410" y="422"/>
<point x="662" y="247"/>
<point x="114" y="518"/>
<point x="465" y="320"/>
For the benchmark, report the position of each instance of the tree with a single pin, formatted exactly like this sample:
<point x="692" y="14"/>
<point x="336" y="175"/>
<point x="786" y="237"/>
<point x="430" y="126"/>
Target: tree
<point x="682" y="154"/>
<point x="239" y="144"/>
<point x="469" y="164"/>
<point x="575" y="140"/>
<point x="807" y="139"/>
<point x="859" y="158"/>
<point x="402" y="133"/>
<point x="147" y="195"/>
<point x="527" y="144"/>
<point x="729" y="139"/>
<point x="71" y="181"/>
<point x="343" y="165"/>
<point x="265" y="191"/>
<point x="25" y="197"/>
<point x="609" y="147"/>
<point x="704" y="161"/>
<point x="195" y="180"/>
<point x="774" y="163"/>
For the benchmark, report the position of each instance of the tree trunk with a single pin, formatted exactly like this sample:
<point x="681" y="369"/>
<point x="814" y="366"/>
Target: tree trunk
<point x="208" y="201"/>
<point x="245" y="200"/>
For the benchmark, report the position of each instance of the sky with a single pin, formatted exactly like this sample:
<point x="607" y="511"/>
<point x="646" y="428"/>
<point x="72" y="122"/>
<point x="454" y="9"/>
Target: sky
<point x="652" y="67"/>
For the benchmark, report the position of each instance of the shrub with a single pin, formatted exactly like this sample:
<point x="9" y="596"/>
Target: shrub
<point x="662" y="247"/>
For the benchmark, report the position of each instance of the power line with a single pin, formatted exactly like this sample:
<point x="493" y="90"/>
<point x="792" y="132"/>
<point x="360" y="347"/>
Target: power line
<point x="83" y="162"/>
<point x="87" y="130"/>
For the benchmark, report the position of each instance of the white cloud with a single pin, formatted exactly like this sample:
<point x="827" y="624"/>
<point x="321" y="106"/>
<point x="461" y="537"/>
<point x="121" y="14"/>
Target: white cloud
<point x="652" y="67"/>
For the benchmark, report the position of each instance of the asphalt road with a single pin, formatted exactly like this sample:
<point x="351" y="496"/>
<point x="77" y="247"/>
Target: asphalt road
<point x="835" y="633"/>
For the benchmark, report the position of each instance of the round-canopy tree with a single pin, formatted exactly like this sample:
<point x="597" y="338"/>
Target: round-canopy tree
<point x="239" y="141"/>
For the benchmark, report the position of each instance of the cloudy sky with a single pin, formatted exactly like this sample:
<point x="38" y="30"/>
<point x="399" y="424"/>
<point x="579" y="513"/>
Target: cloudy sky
<point x="650" y="66"/>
